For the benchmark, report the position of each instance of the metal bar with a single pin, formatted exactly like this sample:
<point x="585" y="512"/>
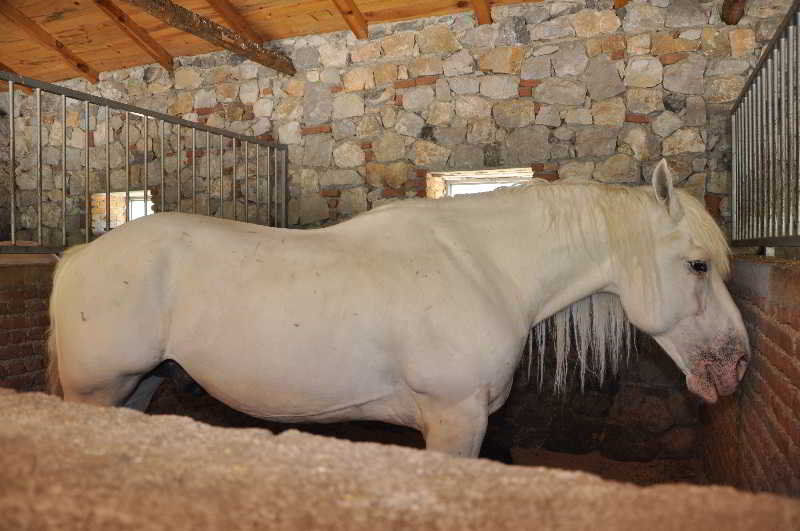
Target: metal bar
<point x="86" y="208"/>
<point x="63" y="170"/>
<point x="102" y="102"/>
<point x="258" y="181"/>
<point x="12" y="173"/>
<point x="784" y="136"/>
<point x="763" y="175"/>
<point x="284" y="191"/>
<point x="163" y="188"/>
<point x="246" y="180"/>
<point x="180" y="161"/>
<point x="233" y="180"/>
<point x="194" y="171"/>
<point x="208" y="173"/>
<point x="128" y="168"/>
<point x="39" y="164"/>
<point x="108" y="169"/>
<point x="221" y="187"/>
<point x="146" y="156"/>
<point x="792" y="121"/>
<point x="795" y="120"/>
<point x="270" y="157"/>
<point x="734" y="171"/>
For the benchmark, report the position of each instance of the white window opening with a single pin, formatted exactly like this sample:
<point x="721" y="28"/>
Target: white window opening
<point x="453" y="183"/>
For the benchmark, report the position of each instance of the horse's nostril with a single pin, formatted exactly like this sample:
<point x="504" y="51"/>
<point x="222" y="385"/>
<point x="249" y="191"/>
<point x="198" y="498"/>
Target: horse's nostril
<point x="741" y="367"/>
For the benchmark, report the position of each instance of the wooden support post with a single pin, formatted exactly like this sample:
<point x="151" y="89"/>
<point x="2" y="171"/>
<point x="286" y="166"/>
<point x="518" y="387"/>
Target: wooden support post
<point x="37" y="33"/>
<point x="136" y="33"/>
<point x="482" y="11"/>
<point x="352" y="15"/>
<point x="201" y="27"/>
<point x="4" y="85"/>
<point x="234" y="19"/>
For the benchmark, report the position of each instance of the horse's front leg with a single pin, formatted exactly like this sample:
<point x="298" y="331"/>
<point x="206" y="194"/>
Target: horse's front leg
<point x="455" y="428"/>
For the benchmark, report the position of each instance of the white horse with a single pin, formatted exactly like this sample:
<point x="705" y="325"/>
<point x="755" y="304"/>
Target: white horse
<point x="415" y="313"/>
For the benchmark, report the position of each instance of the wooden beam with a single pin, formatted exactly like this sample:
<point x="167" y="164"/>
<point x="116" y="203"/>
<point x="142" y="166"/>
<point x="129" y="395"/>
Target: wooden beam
<point x="201" y="27"/>
<point x="482" y="11"/>
<point x="136" y="33"/>
<point x="352" y="15"/>
<point x="37" y="33"/>
<point x="4" y="84"/>
<point x="234" y="19"/>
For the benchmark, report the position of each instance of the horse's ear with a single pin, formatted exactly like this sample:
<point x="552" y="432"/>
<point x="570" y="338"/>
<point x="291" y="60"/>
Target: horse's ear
<point x="662" y="186"/>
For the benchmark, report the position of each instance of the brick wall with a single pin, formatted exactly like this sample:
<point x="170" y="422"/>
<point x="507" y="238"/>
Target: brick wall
<point x="25" y="284"/>
<point x="753" y="437"/>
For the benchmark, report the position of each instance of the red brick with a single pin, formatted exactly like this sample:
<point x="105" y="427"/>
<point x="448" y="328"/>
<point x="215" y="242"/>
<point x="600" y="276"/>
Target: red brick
<point x="548" y="175"/>
<point x="525" y="92"/>
<point x="316" y="130"/>
<point x="672" y="58"/>
<point x="369" y="156"/>
<point x="616" y="55"/>
<point x="422" y="193"/>
<point x="713" y="205"/>
<point x="333" y="203"/>
<point x="398" y="99"/>
<point x="366" y="145"/>
<point x="404" y="83"/>
<point x="426" y="80"/>
<point x="202" y="111"/>
<point x="421" y="172"/>
<point x="532" y="83"/>
<point x="637" y="118"/>
<point x="330" y="193"/>
<point x="391" y="192"/>
<point x="337" y="89"/>
<point x="266" y="91"/>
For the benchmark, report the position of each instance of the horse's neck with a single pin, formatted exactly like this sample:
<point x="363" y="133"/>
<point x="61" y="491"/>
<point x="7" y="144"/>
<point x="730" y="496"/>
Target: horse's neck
<point x="550" y="268"/>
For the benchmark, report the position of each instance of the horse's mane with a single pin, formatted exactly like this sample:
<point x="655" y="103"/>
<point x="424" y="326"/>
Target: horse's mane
<point x="596" y="327"/>
<point x="598" y="323"/>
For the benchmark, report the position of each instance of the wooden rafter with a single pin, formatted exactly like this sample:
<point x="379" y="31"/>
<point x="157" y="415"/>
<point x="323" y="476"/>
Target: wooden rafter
<point x="234" y="19"/>
<point x="201" y="27"/>
<point x="482" y="11"/>
<point x="39" y="34"/>
<point x="4" y="85"/>
<point x="136" y="33"/>
<point x="353" y="16"/>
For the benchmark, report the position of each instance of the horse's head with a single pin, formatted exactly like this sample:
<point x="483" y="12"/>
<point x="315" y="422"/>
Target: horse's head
<point x="679" y="296"/>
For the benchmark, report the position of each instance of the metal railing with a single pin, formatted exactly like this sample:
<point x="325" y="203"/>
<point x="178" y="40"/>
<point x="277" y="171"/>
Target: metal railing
<point x="210" y="177"/>
<point x="765" y="145"/>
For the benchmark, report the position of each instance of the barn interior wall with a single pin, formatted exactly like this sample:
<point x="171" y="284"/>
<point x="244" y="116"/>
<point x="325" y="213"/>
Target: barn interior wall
<point x="572" y="88"/>
<point x="25" y="284"/>
<point x="752" y="439"/>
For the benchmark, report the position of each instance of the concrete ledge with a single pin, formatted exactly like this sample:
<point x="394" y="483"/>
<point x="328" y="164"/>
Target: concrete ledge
<point x="66" y="466"/>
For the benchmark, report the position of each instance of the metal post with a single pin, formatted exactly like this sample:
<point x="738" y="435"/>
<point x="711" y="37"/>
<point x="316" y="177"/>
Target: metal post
<point x="221" y="187"/>
<point x="735" y="172"/>
<point x="39" y="163"/>
<point x="128" y="167"/>
<point x="208" y="173"/>
<point x="163" y="188"/>
<point x="233" y="179"/>
<point x="258" y="180"/>
<point x="180" y="161"/>
<point x="246" y="180"/>
<point x="64" y="170"/>
<point x="146" y="156"/>
<point x="12" y="173"/>
<point x="194" y="171"/>
<point x="284" y="191"/>
<point x="86" y="201"/>
<point x="270" y="171"/>
<point x="108" y="169"/>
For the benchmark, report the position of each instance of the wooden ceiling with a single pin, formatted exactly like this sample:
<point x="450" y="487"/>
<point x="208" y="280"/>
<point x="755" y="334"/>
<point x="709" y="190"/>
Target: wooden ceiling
<point x="53" y="40"/>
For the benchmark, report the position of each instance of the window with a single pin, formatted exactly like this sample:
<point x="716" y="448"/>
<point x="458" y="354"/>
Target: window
<point x="136" y="208"/>
<point x="452" y="183"/>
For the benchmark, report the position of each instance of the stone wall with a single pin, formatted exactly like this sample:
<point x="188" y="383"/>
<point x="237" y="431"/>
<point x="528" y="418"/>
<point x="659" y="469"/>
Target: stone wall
<point x="753" y="438"/>
<point x="24" y="290"/>
<point x="573" y="88"/>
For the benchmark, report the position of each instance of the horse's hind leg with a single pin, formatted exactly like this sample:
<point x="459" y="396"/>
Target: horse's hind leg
<point x="455" y="429"/>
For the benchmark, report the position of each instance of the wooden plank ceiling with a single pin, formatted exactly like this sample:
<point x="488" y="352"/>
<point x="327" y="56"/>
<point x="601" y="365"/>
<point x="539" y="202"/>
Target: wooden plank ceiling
<point x="102" y="35"/>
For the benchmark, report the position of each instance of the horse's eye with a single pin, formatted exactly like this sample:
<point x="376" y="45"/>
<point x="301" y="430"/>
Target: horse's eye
<point x="698" y="266"/>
